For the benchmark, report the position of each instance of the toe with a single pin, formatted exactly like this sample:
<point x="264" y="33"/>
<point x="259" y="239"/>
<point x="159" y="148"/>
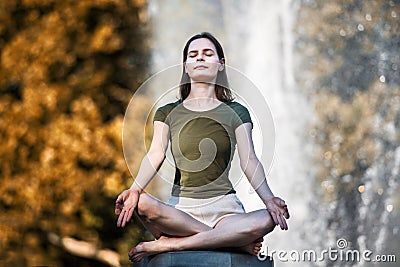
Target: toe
<point x="138" y="257"/>
<point x="261" y="239"/>
<point x="132" y="252"/>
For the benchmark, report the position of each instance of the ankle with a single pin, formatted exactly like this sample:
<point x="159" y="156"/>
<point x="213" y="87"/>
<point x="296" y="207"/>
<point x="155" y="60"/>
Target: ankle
<point x="177" y="245"/>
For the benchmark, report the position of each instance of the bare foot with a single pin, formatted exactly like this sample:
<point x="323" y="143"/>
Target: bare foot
<point x="253" y="248"/>
<point x="164" y="244"/>
<point x="145" y="249"/>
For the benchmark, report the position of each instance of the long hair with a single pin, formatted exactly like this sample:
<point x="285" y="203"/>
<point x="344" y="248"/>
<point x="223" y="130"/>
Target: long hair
<point x="222" y="89"/>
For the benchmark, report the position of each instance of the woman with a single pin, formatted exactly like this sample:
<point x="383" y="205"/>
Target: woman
<point x="204" y="127"/>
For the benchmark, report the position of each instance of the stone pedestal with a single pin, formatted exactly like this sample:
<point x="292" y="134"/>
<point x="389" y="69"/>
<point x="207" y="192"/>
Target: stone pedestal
<point x="203" y="259"/>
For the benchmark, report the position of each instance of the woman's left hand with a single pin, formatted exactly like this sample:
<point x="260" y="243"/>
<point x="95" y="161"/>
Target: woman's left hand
<point x="278" y="210"/>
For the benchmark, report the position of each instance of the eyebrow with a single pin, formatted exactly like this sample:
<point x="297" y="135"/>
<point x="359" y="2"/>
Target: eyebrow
<point x="204" y="50"/>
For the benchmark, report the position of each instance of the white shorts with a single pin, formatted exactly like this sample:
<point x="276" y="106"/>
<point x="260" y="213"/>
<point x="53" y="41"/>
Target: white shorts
<point x="208" y="210"/>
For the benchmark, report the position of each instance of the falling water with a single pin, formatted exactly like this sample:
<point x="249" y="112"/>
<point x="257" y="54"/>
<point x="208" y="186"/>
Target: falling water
<point x="270" y="66"/>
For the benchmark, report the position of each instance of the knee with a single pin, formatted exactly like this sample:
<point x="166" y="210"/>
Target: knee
<point x="147" y="207"/>
<point x="262" y="225"/>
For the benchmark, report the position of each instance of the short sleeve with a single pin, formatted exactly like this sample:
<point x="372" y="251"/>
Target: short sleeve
<point x="243" y="115"/>
<point x="160" y="115"/>
<point x="163" y="112"/>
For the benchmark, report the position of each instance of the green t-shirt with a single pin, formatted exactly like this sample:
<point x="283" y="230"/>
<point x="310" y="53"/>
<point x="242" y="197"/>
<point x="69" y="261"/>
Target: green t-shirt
<point x="202" y="144"/>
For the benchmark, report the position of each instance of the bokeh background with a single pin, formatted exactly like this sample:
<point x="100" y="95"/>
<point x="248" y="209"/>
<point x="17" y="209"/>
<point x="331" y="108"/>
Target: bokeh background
<point x="329" y="71"/>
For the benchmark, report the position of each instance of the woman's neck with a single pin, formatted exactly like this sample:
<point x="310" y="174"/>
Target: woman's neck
<point x="202" y="96"/>
<point x="202" y="91"/>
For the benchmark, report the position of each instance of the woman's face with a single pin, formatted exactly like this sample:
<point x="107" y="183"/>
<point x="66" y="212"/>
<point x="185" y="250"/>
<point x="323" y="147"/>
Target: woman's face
<point x="202" y="62"/>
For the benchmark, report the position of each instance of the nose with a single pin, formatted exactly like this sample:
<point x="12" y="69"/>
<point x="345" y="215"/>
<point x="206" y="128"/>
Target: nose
<point x="200" y="57"/>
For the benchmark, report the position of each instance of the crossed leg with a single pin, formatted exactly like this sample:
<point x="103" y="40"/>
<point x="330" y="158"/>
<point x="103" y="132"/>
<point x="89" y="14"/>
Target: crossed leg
<point x="177" y="230"/>
<point x="163" y="220"/>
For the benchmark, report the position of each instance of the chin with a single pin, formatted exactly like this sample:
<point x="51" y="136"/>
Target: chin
<point x="203" y="79"/>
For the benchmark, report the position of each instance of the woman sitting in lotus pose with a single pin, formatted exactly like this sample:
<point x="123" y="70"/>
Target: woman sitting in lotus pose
<point x="204" y="128"/>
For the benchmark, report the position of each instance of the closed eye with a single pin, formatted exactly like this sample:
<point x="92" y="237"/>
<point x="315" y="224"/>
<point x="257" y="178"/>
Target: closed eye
<point x="207" y="52"/>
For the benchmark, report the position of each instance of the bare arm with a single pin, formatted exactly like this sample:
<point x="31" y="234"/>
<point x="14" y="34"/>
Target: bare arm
<point x="254" y="172"/>
<point x="128" y="199"/>
<point x="153" y="159"/>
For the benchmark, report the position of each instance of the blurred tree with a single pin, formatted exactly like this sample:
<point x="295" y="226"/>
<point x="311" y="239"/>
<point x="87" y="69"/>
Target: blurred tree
<point x="350" y="65"/>
<point x="67" y="71"/>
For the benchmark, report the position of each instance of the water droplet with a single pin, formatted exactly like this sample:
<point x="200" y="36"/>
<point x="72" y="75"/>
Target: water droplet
<point x="360" y="27"/>
<point x="394" y="15"/>
<point x="342" y="32"/>
<point x="380" y="191"/>
<point x="328" y="155"/>
<point x="361" y="188"/>
<point x="368" y="17"/>
<point x="346" y="178"/>
<point x="382" y="78"/>
<point x="392" y="183"/>
<point x="389" y="208"/>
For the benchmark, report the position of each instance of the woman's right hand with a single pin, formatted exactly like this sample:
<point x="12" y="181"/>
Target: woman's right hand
<point x="125" y="206"/>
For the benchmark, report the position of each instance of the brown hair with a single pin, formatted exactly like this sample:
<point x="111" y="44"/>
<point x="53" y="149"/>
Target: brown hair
<point x="222" y="90"/>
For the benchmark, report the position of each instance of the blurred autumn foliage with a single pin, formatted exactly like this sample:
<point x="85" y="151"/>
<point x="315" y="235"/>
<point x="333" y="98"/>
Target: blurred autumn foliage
<point x="68" y="69"/>
<point x="350" y="62"/>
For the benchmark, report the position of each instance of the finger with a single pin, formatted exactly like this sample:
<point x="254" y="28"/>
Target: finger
<point x="131" y="253"/>
<point x="130" y="214"/>
<point x="117" y="211"/>
<point x="274" y="217"/>
<point x="118" y="208"/>
<point x="284" y="224"/>
<point x="123" y="221"/>
<point x="284" y="221"/>
<point x="119" y="199"/>
<point x="287" y="215"/>
<point x="285" y="208"/>
<point x="282" y="209"/>
<point x="281" y="223"/>
<point x="120" y="218"/>
<point x="126" y="218"/>
<point x="286" y="212"/>
<point x="278" y="201"/>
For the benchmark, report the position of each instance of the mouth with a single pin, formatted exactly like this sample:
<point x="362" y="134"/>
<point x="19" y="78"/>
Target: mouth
<point x="200" y="67"/>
